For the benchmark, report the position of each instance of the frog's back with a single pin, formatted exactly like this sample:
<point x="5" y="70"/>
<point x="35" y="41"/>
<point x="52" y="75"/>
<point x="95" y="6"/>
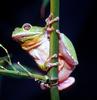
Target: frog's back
<point x="69" y="46"/>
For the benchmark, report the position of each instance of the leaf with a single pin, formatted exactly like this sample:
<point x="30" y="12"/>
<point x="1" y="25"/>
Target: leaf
<point x="16" y="69"/>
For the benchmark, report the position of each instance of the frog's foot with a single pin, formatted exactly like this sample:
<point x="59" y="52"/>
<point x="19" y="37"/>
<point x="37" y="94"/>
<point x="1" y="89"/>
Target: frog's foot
<point x="65" y="84"/>
<point x="48" y="63"/>
<point x="44" y="86"/>
<point x="61" y="86"/>
<point x="50" y="20"/>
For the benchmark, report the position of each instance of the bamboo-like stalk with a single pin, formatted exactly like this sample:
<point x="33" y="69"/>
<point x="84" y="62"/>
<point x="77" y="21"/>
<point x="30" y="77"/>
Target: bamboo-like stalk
<point x="54" y="45"/>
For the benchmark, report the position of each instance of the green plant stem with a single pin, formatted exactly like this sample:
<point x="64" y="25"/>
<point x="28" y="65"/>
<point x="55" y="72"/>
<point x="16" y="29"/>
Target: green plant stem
<point x="21" y="74"/>
<point x="54" y="48"/>
<point x="9" y="59"/>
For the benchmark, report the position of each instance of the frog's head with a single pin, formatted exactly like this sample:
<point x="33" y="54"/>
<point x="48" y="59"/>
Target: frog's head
<point x="27" y="32"/>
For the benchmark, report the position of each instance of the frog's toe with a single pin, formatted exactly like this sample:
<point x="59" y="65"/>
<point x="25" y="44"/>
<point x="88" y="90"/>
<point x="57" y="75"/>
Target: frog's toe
<point x="67" y="83"/>
<point x="59" y="33"/>
<point x="44" y="86"/>
<point x="49" y="18"/>
<point x="56" y="19"/>
<point x="51" y="57"/>
<point x="49" y="64"/>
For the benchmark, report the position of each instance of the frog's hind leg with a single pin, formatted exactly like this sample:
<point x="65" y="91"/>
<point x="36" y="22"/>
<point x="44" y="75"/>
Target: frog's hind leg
<point x="65" y="84"/>
<point x="61" y="86"/>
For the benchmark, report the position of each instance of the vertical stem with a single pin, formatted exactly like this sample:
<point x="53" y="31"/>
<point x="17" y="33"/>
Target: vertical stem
<point x="54" y="47"/>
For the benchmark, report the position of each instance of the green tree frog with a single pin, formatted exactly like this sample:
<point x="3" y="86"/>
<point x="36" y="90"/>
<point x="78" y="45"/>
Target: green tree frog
<point x="35" y="40"/>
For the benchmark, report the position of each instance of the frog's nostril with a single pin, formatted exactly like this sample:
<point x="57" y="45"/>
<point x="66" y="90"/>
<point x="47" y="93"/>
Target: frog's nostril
<point x="27" y="26"/>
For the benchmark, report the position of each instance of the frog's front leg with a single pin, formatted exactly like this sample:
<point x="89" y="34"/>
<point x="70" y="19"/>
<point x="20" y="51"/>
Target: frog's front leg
<point x="49" y="21"/>
<point x="48" y="63"/>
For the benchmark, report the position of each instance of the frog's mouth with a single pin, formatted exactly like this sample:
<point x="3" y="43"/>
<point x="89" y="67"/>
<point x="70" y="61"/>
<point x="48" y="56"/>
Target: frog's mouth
<point x="16" y="37"/>
<point x="20" y="38"/>
<point x="28" y="41"/>
<point x="30" y="44"/>
<point x="25" y="37"/>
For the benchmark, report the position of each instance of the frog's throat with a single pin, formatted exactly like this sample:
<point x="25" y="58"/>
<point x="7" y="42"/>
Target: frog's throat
<point x="32" y="43"/>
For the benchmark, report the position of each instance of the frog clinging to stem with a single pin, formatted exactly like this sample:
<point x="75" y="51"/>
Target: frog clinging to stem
<point x="35" y="40"/>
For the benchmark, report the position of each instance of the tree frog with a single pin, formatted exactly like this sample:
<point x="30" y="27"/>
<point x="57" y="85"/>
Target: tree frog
<point x="35" y="40"/>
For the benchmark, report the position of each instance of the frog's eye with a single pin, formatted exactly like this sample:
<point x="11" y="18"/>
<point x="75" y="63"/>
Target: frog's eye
<point x="27" y="26"/>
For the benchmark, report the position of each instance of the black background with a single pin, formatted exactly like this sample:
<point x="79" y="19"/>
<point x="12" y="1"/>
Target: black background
<point x="78" y="20"/>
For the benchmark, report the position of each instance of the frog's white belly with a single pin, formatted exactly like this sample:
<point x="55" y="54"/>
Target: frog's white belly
<point x="41" y="53"/>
